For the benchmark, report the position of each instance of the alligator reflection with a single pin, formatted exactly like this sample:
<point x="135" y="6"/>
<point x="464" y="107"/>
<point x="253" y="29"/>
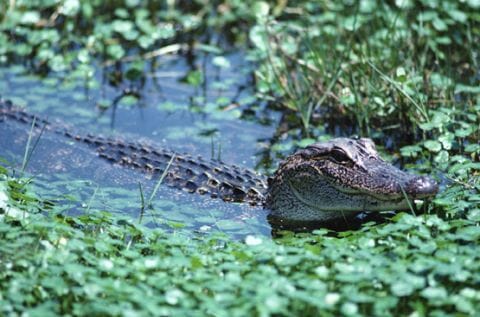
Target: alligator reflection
<point x="335" y="226"/>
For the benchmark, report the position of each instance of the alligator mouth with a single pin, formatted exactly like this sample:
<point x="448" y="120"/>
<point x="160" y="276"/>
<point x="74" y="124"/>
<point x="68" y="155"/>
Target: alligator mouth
<point x="371" y="202"/>
<point x="421" y="187"/>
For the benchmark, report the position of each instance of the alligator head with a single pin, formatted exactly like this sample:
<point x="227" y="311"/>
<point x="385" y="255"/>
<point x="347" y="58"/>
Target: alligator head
<point x="327" y="181"/>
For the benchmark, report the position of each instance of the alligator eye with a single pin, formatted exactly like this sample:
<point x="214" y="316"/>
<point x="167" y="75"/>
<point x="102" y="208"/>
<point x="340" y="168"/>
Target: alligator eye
<point x="339" y="156"/>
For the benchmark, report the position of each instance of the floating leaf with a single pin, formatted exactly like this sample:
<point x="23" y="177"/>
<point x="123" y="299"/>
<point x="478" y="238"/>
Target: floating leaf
<point x="195" y="78"/>
<point x="221" y="61"/>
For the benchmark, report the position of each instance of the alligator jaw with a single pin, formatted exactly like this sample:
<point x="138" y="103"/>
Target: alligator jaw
<point x="420" y="187"/>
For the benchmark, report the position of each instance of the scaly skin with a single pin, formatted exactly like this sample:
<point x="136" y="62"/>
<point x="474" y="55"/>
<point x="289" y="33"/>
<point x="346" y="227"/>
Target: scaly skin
<point x="323" y="182"/>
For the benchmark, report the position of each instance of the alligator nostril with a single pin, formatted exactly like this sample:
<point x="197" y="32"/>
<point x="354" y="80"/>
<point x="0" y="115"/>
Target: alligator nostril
<point x="422" y="187"/>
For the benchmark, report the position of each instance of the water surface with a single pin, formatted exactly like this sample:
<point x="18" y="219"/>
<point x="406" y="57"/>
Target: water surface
<point x="163" y="109"/>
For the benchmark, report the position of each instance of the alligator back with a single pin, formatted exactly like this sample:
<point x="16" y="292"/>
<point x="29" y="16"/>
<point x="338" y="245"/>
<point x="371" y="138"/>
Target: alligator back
<point x="191" y="173"/>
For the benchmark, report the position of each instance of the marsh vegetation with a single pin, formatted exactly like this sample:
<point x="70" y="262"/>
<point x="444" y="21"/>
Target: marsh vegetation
<point x="248" y="82"/>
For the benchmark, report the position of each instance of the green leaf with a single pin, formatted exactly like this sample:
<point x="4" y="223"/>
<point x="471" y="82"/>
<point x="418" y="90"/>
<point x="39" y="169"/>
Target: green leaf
<point x="470" y="233"/>
<point x="459" y="88"/>
<point x="261" y="9"/>
<point x="446" y="140"/>
<point x="401" y="74"/>
<point x="57" y="63"/>
<point x="433" y="146"/>
<point x="402" y="288"/>
<point x="439" y="24"/>
<point x="442" y="157"/>
<point x="434" y="293"/>
<point x="30" y="17"/>
<point x="474" y="3"/>
<point x="411" y="150"/>
<point x="70" y="7"/>
<point x="259" y="37"/>
<point x="458" y="15"/>
<point x="195" y="78"/>
<point x="349" y="309"/>
<point x="115" y="51"/>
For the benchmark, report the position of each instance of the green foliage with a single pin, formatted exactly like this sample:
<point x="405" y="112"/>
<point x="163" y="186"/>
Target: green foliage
<point x="82" y="39"/>
<point x="98" y="264"/>
<point x="379" y="64"/>
<point x="59" y="34"/>
<point x="404" y="72"/>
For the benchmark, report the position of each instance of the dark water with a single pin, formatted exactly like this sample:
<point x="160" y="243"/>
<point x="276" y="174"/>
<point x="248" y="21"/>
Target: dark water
<point x="208" y="119"/>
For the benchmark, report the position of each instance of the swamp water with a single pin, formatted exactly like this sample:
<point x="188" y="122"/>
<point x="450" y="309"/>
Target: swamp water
<point x="203" y="119"/>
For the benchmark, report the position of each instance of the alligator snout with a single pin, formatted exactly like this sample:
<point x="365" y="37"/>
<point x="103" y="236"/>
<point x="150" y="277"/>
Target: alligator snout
<point x="421" y="187"/>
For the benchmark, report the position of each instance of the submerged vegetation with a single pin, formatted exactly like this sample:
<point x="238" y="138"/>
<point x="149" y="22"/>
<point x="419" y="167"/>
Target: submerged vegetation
<point x="404" y="73"/>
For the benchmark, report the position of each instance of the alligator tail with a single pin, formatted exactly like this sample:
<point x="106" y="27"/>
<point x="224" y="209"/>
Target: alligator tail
<point x="193" y="174"/>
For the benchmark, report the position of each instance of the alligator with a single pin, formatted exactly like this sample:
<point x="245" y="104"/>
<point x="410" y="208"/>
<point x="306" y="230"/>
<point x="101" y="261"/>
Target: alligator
<point x="324" y="182"/>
